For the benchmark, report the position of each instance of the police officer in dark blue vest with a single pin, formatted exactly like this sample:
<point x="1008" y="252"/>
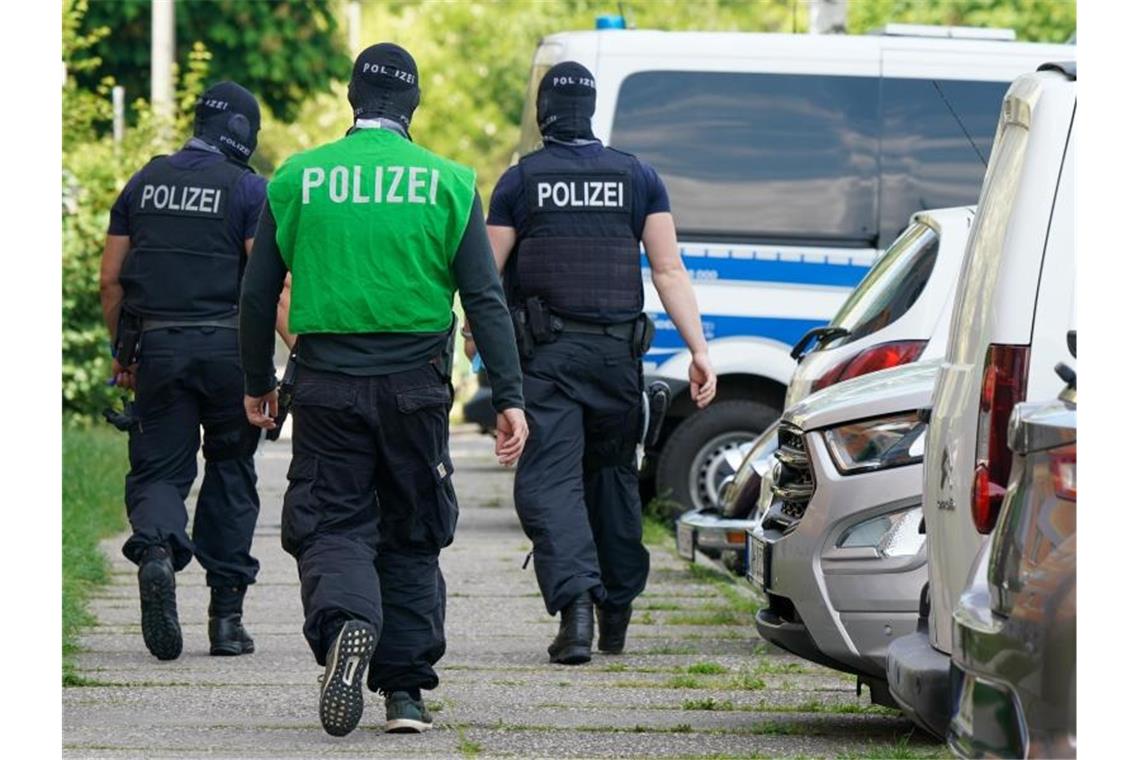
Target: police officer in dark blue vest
<point x="566" y="225"/>
<point x="171" y="274"/>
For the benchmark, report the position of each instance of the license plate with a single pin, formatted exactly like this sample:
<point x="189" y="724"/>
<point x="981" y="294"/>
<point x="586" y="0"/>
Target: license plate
<point x="686" y="541"/>
<point x="757" y="548"/>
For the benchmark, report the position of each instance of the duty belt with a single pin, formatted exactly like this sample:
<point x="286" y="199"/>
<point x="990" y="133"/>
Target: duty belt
<point x="623" y="330"/>
<point x="228" y="323"/>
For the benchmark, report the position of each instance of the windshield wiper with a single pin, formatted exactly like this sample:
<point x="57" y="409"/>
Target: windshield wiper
<point x="822" y="335"/>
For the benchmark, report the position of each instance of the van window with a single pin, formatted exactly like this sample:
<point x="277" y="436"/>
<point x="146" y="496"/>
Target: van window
<point x="772" y="157"/>
<point x="891" y="287"/>
<point x="928" y="162"/>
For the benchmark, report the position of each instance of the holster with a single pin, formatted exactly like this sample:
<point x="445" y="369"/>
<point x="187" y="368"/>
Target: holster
<point x="643" y="334"/>
<point x="128" y="338"/>
<point x="523" y="337"/>
<point x="544" y="326"/>
<point x="285" y="390"/>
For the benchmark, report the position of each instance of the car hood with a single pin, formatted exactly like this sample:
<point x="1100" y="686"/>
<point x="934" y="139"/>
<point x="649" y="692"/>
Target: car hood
<point x="900" y="389"/>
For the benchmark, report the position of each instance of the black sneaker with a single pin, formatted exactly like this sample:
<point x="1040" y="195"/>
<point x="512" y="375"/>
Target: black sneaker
<point x="160" y="628"/>
<point x="405" y="715"/>
<point x="342" y="701"/>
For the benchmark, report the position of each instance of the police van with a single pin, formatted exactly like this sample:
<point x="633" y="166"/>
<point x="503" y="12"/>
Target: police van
<point x="791" y="161"/>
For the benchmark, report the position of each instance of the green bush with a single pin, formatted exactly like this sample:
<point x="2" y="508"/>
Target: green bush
<point x="94" y="465"/>
<point x="94" y="171"/>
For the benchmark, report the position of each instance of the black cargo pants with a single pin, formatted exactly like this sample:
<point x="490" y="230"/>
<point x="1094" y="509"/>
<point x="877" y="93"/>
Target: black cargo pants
<point x="189" y="382"/>
<point x="370" y="505"/>
<point x="576" y="487"/>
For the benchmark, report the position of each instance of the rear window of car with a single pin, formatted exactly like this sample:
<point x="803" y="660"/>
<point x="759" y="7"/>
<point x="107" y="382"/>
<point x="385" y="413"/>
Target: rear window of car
<point x="775" y="157"/>
<point x="937" y="137"/>
<point x="891" y="287"/>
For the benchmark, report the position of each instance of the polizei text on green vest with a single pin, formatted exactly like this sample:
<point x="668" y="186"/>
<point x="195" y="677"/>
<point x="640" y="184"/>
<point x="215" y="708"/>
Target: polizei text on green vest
<point x="368" y="226"/>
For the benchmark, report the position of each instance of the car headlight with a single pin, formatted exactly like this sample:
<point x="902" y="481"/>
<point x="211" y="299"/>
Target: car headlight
<point x="877" y="444"/>
<point x="893" y="535"/>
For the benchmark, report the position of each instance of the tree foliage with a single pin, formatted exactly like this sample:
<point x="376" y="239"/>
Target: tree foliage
<point x="282" y="51"/>
<point x="94" y="170"/>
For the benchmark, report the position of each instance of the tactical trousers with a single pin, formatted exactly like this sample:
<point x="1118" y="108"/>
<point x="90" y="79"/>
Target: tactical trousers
<point x="370" y="504"/>
<point x="576" y="487"/>
<point x="188" y="393"/>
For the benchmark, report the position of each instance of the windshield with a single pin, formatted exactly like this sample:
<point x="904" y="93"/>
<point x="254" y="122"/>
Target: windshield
<point x="529" y="138"/>
<point x="894" y="283"/>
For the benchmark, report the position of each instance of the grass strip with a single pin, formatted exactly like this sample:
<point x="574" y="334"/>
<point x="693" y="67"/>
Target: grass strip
<point x="94" y="465"/>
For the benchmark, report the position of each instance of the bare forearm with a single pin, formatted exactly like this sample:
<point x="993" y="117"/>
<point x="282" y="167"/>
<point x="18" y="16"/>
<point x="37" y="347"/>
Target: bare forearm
<point x="680" y="303"/>
<point x="111" y="297"/>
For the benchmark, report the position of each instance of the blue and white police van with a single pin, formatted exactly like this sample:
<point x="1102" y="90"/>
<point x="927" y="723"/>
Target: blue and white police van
<point x="791" y="161"/>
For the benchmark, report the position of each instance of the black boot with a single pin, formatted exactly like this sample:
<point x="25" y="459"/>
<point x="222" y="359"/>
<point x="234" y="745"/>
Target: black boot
<point x="612" y="625"/>
<point x="160" y="628"/>
<point x="227" y="634"/>
<point x="575" y="634"/>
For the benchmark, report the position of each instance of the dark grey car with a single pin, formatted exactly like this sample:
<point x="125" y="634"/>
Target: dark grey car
<point x="1013" y="677"/>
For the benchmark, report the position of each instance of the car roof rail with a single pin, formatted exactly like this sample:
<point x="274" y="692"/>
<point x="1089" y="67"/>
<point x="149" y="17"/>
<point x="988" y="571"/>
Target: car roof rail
<point x="954" y="32"/>
<point x="1068" y="68"/>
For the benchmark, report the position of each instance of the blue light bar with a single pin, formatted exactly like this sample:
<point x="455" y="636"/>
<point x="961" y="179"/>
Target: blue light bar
<point x="610" y="21"/>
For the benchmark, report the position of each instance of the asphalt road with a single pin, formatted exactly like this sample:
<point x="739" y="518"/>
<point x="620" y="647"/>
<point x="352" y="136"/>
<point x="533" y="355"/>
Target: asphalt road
<point x="695" y="680"/>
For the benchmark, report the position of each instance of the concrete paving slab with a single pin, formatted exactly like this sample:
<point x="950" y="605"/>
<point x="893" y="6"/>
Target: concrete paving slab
<point x="498" y="697"/>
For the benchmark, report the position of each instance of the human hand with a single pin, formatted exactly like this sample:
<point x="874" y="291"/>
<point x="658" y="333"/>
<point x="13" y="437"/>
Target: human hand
<point x="261" y="411"/>
<point x="702" y="380"/>
<point x="511" y="432"/>
<point x="469" y="348"/>
<point x="124" y="377"/>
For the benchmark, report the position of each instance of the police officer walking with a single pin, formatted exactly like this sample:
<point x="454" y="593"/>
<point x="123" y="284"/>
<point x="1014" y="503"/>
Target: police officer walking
<point x="171" y="272"/>
<point x="378" y="233"/>
<point x="565" y="223"/>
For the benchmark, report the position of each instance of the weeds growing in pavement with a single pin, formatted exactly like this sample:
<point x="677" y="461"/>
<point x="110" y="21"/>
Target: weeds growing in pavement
<point x="706" y="668"/>
<point x="707" y="703"/>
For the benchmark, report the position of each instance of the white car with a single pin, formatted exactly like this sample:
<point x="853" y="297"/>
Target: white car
<point x="899" y="313"/>
<point x="1011" y="315"/>
<point x="838" y="553"/>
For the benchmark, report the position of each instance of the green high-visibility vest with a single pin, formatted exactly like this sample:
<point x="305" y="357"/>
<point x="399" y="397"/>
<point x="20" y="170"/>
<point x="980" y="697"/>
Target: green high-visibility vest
<point x="368" y="226"/>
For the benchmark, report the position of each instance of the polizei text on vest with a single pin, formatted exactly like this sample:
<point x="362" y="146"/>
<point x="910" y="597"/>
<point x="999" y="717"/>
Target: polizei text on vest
<point x="181" y="198"/>
<point x="370" y="184"/>
<point x="582" y="193"/>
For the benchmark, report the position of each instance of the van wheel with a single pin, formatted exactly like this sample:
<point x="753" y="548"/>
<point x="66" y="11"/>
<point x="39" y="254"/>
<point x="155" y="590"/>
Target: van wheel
<point x="692" y="465"/>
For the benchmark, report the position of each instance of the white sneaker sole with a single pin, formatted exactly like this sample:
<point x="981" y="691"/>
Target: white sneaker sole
<point x="342" y="702"/>
<point x="406" y="726"/>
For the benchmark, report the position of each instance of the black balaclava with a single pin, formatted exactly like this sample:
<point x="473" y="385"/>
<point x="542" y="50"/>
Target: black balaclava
<point x="227" y="116"/>
<point x="566" y="98"/>
<point x="385" y="83"/>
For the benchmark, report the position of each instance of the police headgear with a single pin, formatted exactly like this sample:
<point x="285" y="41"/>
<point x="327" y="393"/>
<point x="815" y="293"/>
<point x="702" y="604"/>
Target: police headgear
<point x="566" y="99"/>
<point x="385" y="83"/>
<point x="228" y="117"/>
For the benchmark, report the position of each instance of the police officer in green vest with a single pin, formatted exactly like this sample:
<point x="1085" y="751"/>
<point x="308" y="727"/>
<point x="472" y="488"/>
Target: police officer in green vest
<point x="378" y="234"/>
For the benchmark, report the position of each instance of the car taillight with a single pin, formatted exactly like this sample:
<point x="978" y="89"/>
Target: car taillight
<point x="1004" y="382"/>
<point x="873" y="359"/>
<point x="1063" y="467"/>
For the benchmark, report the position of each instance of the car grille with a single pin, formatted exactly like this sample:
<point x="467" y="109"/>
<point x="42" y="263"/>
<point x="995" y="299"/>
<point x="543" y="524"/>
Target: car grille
<point x="793" y="485"/>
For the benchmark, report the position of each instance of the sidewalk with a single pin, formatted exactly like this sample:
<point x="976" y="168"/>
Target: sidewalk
<point x="695" y="680"/>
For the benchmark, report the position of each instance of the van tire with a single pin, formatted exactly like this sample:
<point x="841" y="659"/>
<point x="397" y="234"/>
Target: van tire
<point x="677" y="473"/>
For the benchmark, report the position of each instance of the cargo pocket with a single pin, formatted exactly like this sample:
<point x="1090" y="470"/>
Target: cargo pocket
<point x="300" y="515"/>
<point x="442" y="520"/>
<point x="415" y="399"/>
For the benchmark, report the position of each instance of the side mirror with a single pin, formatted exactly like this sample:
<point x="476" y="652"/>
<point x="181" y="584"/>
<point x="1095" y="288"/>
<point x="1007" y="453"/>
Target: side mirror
<point x="1067" y="374"/>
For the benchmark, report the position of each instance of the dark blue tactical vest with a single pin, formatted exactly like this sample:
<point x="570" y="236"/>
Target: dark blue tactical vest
<point x="186" y="260"/>
<point x="577" y="249"/>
